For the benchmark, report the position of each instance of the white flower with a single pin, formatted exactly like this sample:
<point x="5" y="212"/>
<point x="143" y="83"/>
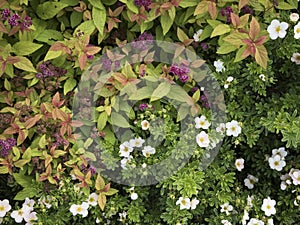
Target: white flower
<point x="245" y="217"/>
<point x="194" y="203"/>
<point x="137" y="142"/>
<point x="30" y="218"/>
<point x="30" y="203"/>
<point x="297" y="31"/>
<point x="202" y="139"/>
<point x="221" y="128"/>
<point x="219" y="65"/>
<point x="226" y="208"/>
<point x="20" y="214"/>
<point x="197" y="35"/>
<point x="276" y="163"/>
<point x="277" y="29"/>
<point x="262" y="77"/>
<point x="97" y="220"/>
<point x="250" y="201"/>
<point x="80" y="209"/>
<point x="4" y="207"/>
<point x="134" y="196"/>
<point x="148" y="150"/>
<point x="145" y="125"/>
<point x="280" y="151"/>
<point x="125" y="149"/>
<point x="270" y="221"/>
<point x="202" y="122"/>
<point x="268" y="206"/>
<point x="233" y="128"/>
<point x="93" y="199"/>
<point x="295" y="175"/>
<point x="296" y="58"/>
<point x="225" y="222"/>
<point x="239" y="164"/>
<point x="254" y="221"/>
<point x="250" y="181"/>
<point x="294" y="17"/>
<point x="126" y="161"/>
<point x="184" y="203"/>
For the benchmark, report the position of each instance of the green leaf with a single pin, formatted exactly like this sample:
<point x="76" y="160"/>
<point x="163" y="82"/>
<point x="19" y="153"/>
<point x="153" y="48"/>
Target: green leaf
<point x="49" y="36"/>
<point x="25" y="47"/>
<point x="87" y="27"/>
<point x="3" y="169"/>
<point x="181" y="35"/>
<point x="102" y="120"/>
<point x="96" y="3"/>
<point x="178" y="93"/>
<point x="75" y="18"/>
<point x="25" y="64"/>
<point x="188" y="3"/>
<point x="69" y="85"/>
<point x="220" y="29"/>
<point x="99" y="18"/>
<point x="118" y="120"/>
<point x="100" y="184"/>
<point x="235" y="38"/>
<point x="226" y="48"/>
<point x="48" y="10"/>
<point x="284" y="6"/>
<point x="110" y="192"/>
<point x="166" y="23"/>
<point x="142" y="93"/>
<point x="7" y="85"/>
<point x="131" y="6"/>
<point x="42" y="141"/>
<point x="23" y="180"/>
<point x="239" y="53"/>
<point x="206" y="33"/>
<point x="52" y="55"/>
<point x="26" y="192"/>
<point x="162" y="90"/>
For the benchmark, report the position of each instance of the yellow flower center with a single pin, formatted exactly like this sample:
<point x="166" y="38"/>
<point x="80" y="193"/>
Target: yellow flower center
<point x="201" y="123"/>
<point x="147" y="154"/>
<point x="278" y="29"/>
<point x="268" y="207"/>
<point x="298" y="30"/>
<point x="183" y="202"/>
<point x="92" y="199"/>
<point x="2" y="208"/>
<point x="233" y="129"/>
<point x="276" y="163"/>
<point x="79" y="209"/>
<point x="201" y="139"/>
<point x="20" y="212"/>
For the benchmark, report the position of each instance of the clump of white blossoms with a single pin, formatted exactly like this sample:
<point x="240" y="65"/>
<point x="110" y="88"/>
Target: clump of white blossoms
<point x="254" y="221"/>
<point x="268" y="206"/>
<point x="233" y="128"/>
<point x="277" y="29"/>
<point x="197" y="35"/>
<point x="226" y="208"/>
<point x="125" y="149"/>
<point x="296" y="58"/>
<point x="202" y="122"/>
<point x="250" y="181"/>
<point x="295" y="175"/>
<point x="219" y="65"/>
<point x="239" y="164"/>
<point x="221" y="128"/>
<point x="228" y="81"/>
<point x="93" y="199"/>
<point x="285" y="181"/>
<point x="276" y="161"/>
<point x="133" y="195"/>
<point x="202" y="139"/>
<point x="4" y="207"/>
<point x="20" y="214"/>
<point x="80" y="209"/>
<point x="186" y="203"/>
<point x="226" y="222"/>
<point x="297" y="31"/>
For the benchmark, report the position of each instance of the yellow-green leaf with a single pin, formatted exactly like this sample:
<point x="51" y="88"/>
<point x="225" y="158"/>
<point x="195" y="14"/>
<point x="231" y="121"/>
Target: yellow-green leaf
<point x="220" y="29"/>
<point x="69" y="85"/>
<point x="102" y="201"/>
<point x="181" y="35"/>
<point x="25" y="47"/>
<point x="52" y="55"/>
<point x="162" y="90"/>
<point x="100" y="184"/>
<point x="110" y="192"/>
<point x="3" y="169"/>
<point x="25" y="64"/>
<point x="201" y="8"/>
<point x="102" y="120"/>
<point x="7" y="85"/>
<point x="99" y="18"/>
<point x="261" y="56"/>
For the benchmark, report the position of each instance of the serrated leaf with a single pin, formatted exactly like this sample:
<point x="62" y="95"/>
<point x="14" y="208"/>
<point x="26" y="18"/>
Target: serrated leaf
<point x="42" y="141"/>
<point x="25" y="47"/>
<point x="131" y="6"/>
<point x="220" y="29"/>
<point x="99" y="18"/>
<point x="7" y="85"/>
<point x="48" y="10"/>
<point x="102" y="120"/>
<point x="226" y="48"/>
<point x="52" y="55"/>
<point x="119" y="120"/>
<point x="3" y="169"/>
<point x="201" y="8"/>
<point x="87" y="27"/>
<point x="162" y="90"/>
<point x="23" y="180"/>
<point x="188" y="3"/>
<point x="25" y="64"/>
<point x="49" y="36"/>
<point x="181" y="35"/>
<point x="69" y="85"/>
<point x="110" y="192"/>
<point x="235" y="38"/>
<point x="261" y="56"/>
<point x="239" y="53"/>
<point x="284" y="6"/>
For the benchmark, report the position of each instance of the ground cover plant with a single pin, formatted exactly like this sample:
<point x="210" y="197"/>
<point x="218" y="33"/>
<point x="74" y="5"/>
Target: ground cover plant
<point x="149" y="112"/>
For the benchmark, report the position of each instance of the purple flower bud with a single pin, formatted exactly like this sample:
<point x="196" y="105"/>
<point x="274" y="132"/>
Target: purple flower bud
<point x="14" y="20"/>
<point x="179" y="70"/>
<point x="39" y="76"/>
<point x="143" y="41"/>
<point x="90" y="57"/>
<point x="93" y="170"/>
<point x="247" y="10"/>
<point x="26" y="23"/>
<point x="11" y="141"/>
<point x="194" y="89"/>
<point x="145" y="3"/>
<point x="5" y="14"/>
<point x="204" y="46"/>
<point x="143" y="106"/>
<point x="183" y="78"/>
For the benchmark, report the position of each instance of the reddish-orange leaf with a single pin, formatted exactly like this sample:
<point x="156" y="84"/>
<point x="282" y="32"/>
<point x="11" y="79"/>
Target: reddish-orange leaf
<point x="3" y="28"/>
<point x="242" y="3"/>
<point x="235" y="19"/>
<point x="261" y="56"/>
<point x="32" y="121"/>
<point x="212" y="9"/>
<point x="254" y="29"/>
<point x="82" y="61"/>
<point x="261" y="40"/>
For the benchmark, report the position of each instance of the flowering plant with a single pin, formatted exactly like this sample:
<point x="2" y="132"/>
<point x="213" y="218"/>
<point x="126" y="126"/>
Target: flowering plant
<point x="103" y="122"/>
